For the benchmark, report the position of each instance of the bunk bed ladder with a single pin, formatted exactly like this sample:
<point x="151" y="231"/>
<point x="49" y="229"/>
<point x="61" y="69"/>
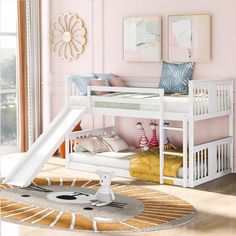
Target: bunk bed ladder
<point x="183" y="154"/>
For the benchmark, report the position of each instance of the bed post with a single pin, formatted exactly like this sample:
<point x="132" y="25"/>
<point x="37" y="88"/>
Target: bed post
<point x="191" y="134"/>
<point x="161" y="145"/>
<point x="185" y="152"/>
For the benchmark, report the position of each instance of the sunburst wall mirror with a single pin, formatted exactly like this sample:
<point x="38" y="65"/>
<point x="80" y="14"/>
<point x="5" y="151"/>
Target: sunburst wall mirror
<point x="68" y="36"/>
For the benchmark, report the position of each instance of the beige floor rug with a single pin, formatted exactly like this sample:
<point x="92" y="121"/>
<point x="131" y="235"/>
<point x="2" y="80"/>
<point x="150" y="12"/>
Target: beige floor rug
<point x="63" y="203"/>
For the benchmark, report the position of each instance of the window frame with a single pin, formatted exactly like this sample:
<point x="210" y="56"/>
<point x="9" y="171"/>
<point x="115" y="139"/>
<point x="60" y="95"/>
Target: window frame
<point x="7" y="149"/>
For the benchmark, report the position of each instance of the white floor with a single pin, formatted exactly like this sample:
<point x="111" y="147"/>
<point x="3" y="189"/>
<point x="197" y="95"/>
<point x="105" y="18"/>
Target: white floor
<point x="8" y="162"/>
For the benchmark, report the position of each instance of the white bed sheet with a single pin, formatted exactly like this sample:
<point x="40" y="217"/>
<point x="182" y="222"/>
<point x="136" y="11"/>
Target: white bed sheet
<point x="178" y="104"/>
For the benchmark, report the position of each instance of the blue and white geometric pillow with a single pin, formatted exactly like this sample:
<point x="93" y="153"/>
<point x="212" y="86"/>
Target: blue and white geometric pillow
<point x="175" y="77"/>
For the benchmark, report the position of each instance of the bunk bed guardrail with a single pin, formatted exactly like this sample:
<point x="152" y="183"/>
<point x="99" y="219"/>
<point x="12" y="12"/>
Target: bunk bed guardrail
<point x="210" y="98"/>
<point x="211" y="160"/>
<point x="123" y="90"/>
<point x="73" y="137"/>
<point x="207" y="98"/>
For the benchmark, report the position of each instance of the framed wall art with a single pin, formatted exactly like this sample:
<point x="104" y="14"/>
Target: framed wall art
<point x="142" y="39"/>
<point x="190" y="38"/>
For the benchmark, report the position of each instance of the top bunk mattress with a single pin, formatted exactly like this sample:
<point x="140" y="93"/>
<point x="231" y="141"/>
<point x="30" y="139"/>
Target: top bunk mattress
<point x="172" y="103"/>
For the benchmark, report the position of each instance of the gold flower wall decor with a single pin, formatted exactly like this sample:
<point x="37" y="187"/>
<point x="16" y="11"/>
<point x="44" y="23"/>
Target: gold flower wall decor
<point x="68" y="36"/>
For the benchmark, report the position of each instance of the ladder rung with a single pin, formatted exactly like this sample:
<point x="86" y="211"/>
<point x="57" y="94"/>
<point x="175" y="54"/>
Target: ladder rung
<point x="172" y="178"/>
<point x="173" y="128"/>
<point x="173" y="153"/>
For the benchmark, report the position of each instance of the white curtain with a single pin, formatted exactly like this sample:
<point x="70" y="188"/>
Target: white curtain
<point x="33" y="65"/>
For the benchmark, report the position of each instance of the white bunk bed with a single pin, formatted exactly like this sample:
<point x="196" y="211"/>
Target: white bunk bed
<point x="207" y="99"/>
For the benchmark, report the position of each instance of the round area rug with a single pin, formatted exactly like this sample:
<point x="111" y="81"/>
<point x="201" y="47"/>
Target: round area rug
<point x="65" y="204"/>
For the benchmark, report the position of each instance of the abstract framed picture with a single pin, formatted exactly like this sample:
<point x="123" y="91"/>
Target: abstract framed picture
<point x="189" y="38"/>
<point x="142" y="39"/>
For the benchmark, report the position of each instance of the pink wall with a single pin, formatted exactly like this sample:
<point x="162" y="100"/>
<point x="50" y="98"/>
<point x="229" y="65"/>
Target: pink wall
<point x="104" y="49"/>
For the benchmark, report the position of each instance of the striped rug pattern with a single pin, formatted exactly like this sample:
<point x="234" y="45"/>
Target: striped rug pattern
<point x="160" y="210"/>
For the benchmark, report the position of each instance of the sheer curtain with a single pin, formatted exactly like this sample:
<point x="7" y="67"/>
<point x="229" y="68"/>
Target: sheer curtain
<point x="22" y="76"/>
<point x="34" y="65"/>
<point x="29" y="54"/>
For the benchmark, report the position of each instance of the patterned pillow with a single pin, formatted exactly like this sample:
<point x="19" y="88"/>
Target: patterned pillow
<point x="93" y="144"/>
<point x="175" y="77"/>
<point x="116" y="143"/>
<point x="82" y="82"/>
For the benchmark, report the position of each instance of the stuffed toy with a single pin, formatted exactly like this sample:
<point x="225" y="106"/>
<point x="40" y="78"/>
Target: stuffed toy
<point x="104" y="195"/>
<point x="143" y="141"/>
<point x="153" y="142"/>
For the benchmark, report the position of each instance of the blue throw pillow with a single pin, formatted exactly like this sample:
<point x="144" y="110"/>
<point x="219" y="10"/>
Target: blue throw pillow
<point x="82" y="82"/>
<point x="105" y="77"/>
<point x="175" y="77"/>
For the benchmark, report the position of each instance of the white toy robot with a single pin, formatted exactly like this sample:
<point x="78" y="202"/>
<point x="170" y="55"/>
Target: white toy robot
<point x="104" y="195"/>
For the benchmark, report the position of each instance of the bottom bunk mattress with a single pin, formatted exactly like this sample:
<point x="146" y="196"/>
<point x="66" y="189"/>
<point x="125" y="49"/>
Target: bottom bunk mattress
<point x="138" y="167"/>
<point x="120" y="160"/>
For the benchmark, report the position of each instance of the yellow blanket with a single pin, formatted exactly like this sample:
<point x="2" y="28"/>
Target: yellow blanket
<point x="146" y="165"/>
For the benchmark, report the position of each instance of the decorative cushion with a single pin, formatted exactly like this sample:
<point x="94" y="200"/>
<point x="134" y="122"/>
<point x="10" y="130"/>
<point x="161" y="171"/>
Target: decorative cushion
<point x="105" y="77"/>
<point x="175" y="77"/>
<point x="93" y="144"/>
<point x="79" y="148"/>
<point x="98" y="82"/>
<point x="115" y="144"/>
<point x="82" y="82"/>
<point x="116" y="82"/>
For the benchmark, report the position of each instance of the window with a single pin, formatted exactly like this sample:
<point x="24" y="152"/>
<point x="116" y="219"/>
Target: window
<point x="8" y="76"/>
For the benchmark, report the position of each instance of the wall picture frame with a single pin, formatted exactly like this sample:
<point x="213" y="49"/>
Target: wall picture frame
<point x="189" y="38"/>
<point x="142" y="39"/>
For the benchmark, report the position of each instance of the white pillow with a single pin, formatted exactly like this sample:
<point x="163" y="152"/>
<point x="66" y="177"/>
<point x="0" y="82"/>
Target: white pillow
<point x="115" y="144"/>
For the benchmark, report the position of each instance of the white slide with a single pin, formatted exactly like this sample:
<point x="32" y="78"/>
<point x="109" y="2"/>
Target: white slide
<point x="45" y="146"/>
